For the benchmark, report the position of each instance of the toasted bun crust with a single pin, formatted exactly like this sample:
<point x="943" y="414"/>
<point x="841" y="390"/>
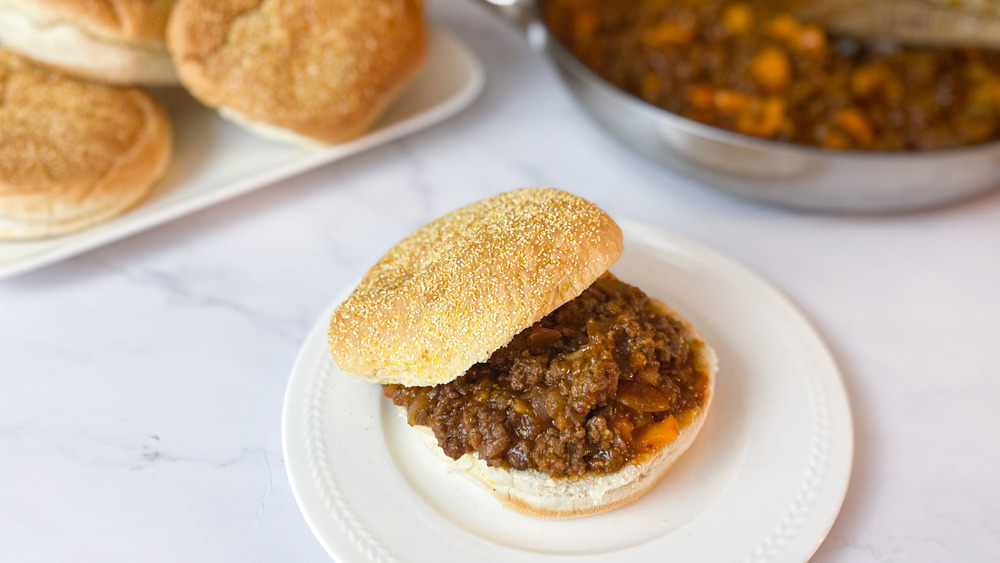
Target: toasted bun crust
<point x="73" y="153"/>
<point x="459" y="288"/>
<point x="115" y="41"/>
<point x="324" y="70"/>
<point x="536" y="494"/>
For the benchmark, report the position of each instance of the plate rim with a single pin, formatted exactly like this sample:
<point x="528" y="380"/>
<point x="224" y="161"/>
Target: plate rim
<point x="830" y="389"/>
<point x="74" y="244"/>
<point x="829" y="386"/>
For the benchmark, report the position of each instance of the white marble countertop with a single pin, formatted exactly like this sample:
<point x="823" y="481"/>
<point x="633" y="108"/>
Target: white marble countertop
<point x="141" y="384"/>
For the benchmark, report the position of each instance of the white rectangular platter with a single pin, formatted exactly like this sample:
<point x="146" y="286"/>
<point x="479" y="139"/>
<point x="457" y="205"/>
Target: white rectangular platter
<point x="215" y="160"/>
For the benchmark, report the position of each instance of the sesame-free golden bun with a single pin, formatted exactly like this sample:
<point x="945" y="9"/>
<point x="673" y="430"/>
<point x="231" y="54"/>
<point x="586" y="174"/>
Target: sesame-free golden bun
<point x="113" y="41"/>
<point x="460" y="287"/>
<point x="73" y="153"/>
<point x="309" y="71"/>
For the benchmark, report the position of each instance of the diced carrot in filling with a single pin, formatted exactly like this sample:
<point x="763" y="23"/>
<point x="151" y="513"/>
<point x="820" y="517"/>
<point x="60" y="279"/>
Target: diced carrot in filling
<point x="772" y="69"/>
<point x="659" y="434"/>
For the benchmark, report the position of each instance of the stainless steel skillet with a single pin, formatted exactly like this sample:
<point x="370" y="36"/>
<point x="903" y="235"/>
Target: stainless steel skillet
<point x="781" y="173"/>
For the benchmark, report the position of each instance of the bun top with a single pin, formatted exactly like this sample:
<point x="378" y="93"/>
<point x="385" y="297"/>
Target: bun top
<point x="460" y="287"/>
<point x="127" y="21"/>
<point x="323" y="69"/>
<point x="69" y="147"/>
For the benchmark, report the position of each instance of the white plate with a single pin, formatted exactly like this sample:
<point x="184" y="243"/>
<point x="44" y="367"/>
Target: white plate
<point x="763" y="482"/>
<point x="215" y="160"/>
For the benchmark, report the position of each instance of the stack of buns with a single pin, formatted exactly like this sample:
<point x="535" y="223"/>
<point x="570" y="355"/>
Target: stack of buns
<point x="81" y="141"/>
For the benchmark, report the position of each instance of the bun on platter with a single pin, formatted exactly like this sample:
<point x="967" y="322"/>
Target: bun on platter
<point x="73" y="153"/>
<point x="298" y="71"/>
<point x="521" y="361"/>
<point x="114" y="41"/>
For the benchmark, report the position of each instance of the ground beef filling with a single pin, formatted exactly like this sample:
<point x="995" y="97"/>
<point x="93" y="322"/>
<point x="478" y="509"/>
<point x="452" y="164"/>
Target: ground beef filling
<point x="748" y="66"/>
<point x="598" y="383"/>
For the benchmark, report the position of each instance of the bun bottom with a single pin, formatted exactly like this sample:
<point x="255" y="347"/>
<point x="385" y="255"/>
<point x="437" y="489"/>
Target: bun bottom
<point x="534" y="493"/>
<point x="270" y="132"/>
<point x="65" y="47"/>
<point x="12" y="228"/>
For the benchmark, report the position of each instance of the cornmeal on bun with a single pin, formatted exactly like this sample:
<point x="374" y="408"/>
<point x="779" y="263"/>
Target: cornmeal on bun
<point x="522" y="361"/>
<point x="114" y="41"/>
<point x="300" y="71"/>
<point x="73" y="153"/>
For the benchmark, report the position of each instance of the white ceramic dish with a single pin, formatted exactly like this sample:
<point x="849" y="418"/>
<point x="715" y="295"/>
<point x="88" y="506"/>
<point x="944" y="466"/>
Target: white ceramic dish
<point x="215" y="160"/>
<point x="763" y="482"/>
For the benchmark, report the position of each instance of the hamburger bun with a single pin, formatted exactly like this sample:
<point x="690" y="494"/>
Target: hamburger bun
<point x="459" y="288"/>
<point x="298" y="71"/>
<point x="454" y="294"/>
<point x="114" y="41"/>
<point x="73" y="153"/>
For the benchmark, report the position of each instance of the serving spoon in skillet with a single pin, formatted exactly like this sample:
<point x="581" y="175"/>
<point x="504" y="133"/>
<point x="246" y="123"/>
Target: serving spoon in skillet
<point x="959" y="23"/>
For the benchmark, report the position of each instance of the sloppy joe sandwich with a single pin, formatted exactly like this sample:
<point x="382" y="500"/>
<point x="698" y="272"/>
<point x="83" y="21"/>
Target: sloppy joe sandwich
<point x="299" y="71"/>
<point x="115" y="41"/>
<point x="72" y="152"/>
<point x="524" y="362"/>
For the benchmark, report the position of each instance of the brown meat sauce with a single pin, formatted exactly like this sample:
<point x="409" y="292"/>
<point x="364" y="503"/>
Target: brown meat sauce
<point x="594" y="385"/>
<point x="749" y="67"/>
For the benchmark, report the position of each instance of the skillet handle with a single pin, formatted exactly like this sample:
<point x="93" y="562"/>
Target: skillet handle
<point x="522" y="13"/>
